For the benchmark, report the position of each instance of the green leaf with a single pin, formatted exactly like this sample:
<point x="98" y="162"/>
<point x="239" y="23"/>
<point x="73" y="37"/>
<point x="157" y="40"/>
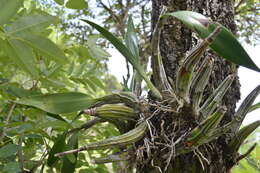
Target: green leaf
<point x="131" y="38"/>
<point x="70" y="160"/>
<point x="225" y="45"/>
<point x="127" y="54"/>
<point x="58" y="146"/>
<point x="22" y="55"/>
<point x="241" y="136"/>
<point x="45" y="46"/>
<point x="20" y="92"/>
<point x="11" y="167"/>
<point x="35" y="23"/>
<point x="254" y="107"/>
<point x="8" y="9"/>
<point x="8" y="150"/>
<point x="59" y="103"/>
<point x="60" y="2"/>
<point x="77" y="4"/>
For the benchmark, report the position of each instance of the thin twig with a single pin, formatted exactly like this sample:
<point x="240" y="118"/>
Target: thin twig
<point x="87" y="125"/>
<point x="20" y="153"/>
<point x="7" y="120"/>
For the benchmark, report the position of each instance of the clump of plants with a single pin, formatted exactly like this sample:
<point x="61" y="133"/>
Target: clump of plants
<point x="180" y="121"/>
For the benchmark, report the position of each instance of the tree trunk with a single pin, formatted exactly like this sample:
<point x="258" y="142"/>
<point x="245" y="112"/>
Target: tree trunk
<point x="175" y="41"/>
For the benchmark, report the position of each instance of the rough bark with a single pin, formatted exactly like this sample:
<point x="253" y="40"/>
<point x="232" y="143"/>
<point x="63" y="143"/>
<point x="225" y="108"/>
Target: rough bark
<point x="176" y="40"/>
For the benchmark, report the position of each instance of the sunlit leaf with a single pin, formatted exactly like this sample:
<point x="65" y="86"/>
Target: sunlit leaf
<point x="32" y="23"/>
<point x="225" y="45"/>
<point x="8" y="9"/>
<point x="22" y="55"/>
<point x="45" y="46"/>
<point x="77" y="4"/>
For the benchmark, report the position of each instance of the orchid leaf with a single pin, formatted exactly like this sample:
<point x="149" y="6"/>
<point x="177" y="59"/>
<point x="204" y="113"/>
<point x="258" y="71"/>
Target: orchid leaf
<point x="127" y="54"/>
<point x="225" y="45"/>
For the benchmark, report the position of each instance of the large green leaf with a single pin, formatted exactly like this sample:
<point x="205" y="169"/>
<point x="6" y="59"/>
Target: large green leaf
<point x="59" y="103"/>
<point x="8" y="150"/>
<point x="8" y="9"/>
<point x="22" y="55"/>
<point x="77" y="4"/>
<point x="225" y="45"/>
<point x="127" y="54"/>
<point x="45" y="46"/>
<point x="131" y="38"/>
<point x="58" y="146"/>
<point x="35" y="23"/>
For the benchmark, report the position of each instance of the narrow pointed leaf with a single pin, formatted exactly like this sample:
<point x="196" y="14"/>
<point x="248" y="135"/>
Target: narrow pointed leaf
<point x="127" y="54"/>
<point x="225" y="45"/>
<point x="22" y="55"/>
<point x="69" y="161"/>
<point x="8" y="9"/>
<point x="125" y="139"/>
<point x="216" y="97"/>
<point x="245" y="107"/>
<point x="198" y="133"/>
<point x="254" y="107"/>
<point x="241" y="136"/>
<point x="58" y="146"/>
<point x="59" y="103"/>
<point x="131" y="38"/>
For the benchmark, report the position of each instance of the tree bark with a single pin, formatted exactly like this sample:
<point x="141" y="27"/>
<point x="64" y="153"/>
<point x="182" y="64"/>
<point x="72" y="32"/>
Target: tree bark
<point x="175" y="41"/>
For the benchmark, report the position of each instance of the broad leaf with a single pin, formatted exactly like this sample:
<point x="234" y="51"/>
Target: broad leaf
<point x="59" y="103"/>
<point x="8" y="9"/>
<point x="11" y="167"/>
<point x="35" y="23"/>
<point x="8" y="150"/>
<point x="225" y="45"/>
<point x="45" y="46"/>
<point x="22" y="55"/>
<point x="58" y="146"/>
<point x="77" y="4"/>
<point x="127" y="54"/>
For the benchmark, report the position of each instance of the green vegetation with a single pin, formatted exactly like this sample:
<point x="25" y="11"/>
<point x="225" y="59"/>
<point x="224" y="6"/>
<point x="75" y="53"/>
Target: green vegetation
<point x="57" y="97"/>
